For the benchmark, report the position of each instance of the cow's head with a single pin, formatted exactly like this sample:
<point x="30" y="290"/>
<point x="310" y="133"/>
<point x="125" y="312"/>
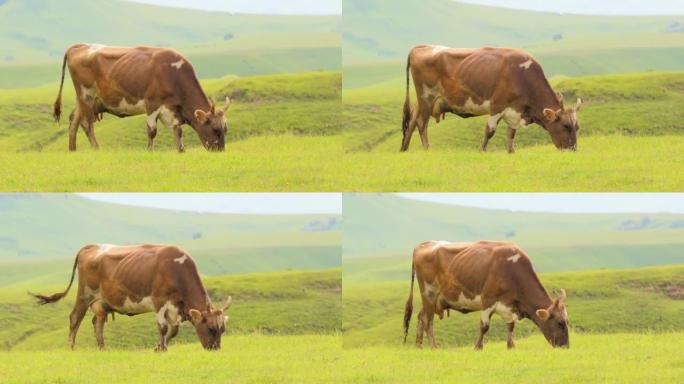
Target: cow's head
<point x="562" y="124"/>
<point x="210" y="324"/>
<point x="212" y="127"/>
<point x="553" y="322"/>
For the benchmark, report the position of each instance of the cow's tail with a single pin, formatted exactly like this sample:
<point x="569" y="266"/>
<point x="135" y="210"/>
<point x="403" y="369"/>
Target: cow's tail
<point x="408" y="311"/>
<point x="57" y="296"/>
<point x="407" y="102"/>
<point x="57" y="109"/>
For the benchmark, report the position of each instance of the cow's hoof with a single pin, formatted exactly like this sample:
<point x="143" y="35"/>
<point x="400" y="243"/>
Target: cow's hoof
<point x="159" y="348"/>
<point x="511" y="345"/>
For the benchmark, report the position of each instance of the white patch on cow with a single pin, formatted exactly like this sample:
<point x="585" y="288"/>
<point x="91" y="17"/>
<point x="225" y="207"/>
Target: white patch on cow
<point x="513" y="118"/>
<point x="526" y="64"/>
<point x="494" y="120"/>
<point x="431" y="290"/>
<point x="431" y="93"/>
<point x="514" y="258"/>
<point x="94" y="48"/>
<point x="486" y="314"/>
<point x="125" y="108"/>
<point x="181" y="260"/>
<point x="91" y="295"/>
<point x="439" y="244"/>
<point x="168" y="315"/>
<point x="103" y="248"/>
<point x="88" y="94"/>
<point x="438" y="48"/>
<point x="471" y="108"/>
<point x="152" y="118"/>
<point x="505" y="312"/>
<point x="167" y="116"/>
<point x="474" y="304"/>
<point x="144" y="305"/>
<point x="178" y="64"/>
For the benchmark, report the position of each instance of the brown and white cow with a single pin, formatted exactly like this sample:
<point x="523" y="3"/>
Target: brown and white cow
<point x="488" y="276"/>
<point x="122" y="81"/>
<point x="506" y="84"/>
<point x="138" y="279"/>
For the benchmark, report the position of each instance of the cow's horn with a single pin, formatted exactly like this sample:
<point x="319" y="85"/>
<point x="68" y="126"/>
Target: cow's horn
<point x="562" y="295"/>
<point x="211" y="103"/>
<point x="560" y="98"/>
<point x="229" y="301"/>
<point x="227" y="104"/>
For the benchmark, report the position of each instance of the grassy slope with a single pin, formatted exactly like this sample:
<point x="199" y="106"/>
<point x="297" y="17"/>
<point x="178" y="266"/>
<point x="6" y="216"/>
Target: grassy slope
<point x="610" y="301"/>
<point x="259" y="43"/>
<point x="30" y="245"/>
<point x="285" y="303"/>
<point x="378" y="30"/>
<point x="382" y="230"/>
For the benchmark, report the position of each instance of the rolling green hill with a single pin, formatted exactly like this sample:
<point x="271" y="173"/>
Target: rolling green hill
<point x="377" y="31"/>
<point x="217" y="43"/>
<point x="282" y="303"/>
<point x="380" y="231"/>
<point x="641" y="300"/>
<point x="42" y="234"/>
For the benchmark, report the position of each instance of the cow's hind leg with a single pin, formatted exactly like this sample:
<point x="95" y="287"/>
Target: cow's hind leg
<point x="88" y="126"/>
<point x="98" y="322"/>
<point x="163" y="331"/>
<point x="509" y="139"/>
<point x="490" y="130"/>
<point x="409" y="131"/>
<point x="420" y="329"/>
<point x="74" y="122"/>
<point x="427" y="316"/>
<point x="423" y="130"/>
<point x="77" y="314"/>
<point x="509" y="328"/>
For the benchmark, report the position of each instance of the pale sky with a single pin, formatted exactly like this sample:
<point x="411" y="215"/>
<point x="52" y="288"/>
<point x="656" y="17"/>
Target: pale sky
<point x="239" y="203"/>
<point x="622" y="7"/>
<point x="562" y="202"/>
<point x="270" y="7"/>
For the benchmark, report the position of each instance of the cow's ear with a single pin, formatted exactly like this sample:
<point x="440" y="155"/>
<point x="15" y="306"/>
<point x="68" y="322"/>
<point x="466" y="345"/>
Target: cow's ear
<point x="195" y="315"/>
<point x="201" y="116"/>
<point x="550" y="115"/>
<point x="543" y="314"/>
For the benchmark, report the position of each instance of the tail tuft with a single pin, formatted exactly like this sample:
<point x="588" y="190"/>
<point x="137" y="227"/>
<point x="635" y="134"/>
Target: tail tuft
<point x="42" y="300"/>
<point x="408" y="311"/>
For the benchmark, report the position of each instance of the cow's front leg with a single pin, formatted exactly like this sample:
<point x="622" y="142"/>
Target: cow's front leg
<point x="178" y="133"/>
<point x="151" y="130"/>
<point x="163" y="331"/>
<point x="509" y="139"/>
<point x="490" y="130"/>
<point x="485" y="319"/>
<point x="509" y="342"/>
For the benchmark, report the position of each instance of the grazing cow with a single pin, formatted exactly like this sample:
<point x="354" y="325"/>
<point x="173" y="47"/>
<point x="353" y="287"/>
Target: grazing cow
<point x="506" y="84"/>
<point x="158" y="82"/>
<point x="492" y="277"/>
<point x="131" y="280"/>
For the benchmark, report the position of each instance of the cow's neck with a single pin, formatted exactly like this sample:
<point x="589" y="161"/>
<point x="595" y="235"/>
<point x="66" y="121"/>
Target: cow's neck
<point x="533" y="297"/>
<point x="542" y="97"/>
<point x="194" y="98"/>
<point x="193" y="293"/>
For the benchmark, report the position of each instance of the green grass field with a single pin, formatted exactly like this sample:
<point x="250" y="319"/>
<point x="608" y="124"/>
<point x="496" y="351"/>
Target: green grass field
<point x="252" y="358"/>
